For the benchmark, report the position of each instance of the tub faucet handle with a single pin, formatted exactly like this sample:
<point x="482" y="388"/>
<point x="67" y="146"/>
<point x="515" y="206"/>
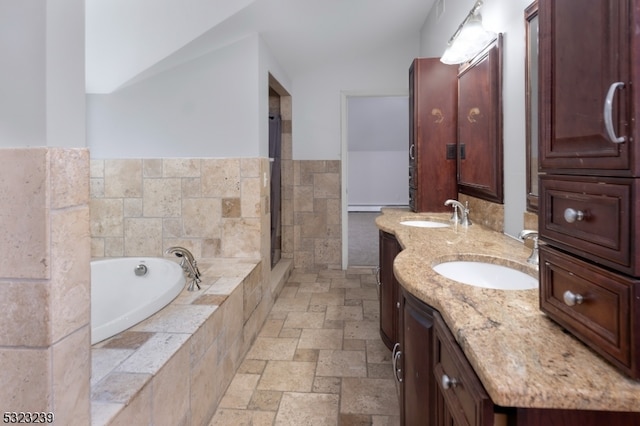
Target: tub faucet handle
<point x="189" y="265"/>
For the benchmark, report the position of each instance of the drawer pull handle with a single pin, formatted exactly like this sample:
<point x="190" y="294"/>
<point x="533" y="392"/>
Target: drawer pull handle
<point x="572" y="299"/>
<point x="412" y="151"/>
<point x="448" y="382"/>
<point x="571" y="215"/>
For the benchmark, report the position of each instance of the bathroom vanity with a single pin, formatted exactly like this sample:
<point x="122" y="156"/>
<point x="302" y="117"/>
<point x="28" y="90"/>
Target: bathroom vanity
<point x="479" y="356"/>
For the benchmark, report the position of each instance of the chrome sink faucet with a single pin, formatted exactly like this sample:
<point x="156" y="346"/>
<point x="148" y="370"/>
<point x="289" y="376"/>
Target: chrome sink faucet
<point x="527" y="234"/>
<point x="188" y="264"/>
<point x="464" y="212"/>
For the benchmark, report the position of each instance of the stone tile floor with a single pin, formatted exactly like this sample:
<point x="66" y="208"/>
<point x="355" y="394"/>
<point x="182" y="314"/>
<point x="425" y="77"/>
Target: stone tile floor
<point x="318" y="359"/>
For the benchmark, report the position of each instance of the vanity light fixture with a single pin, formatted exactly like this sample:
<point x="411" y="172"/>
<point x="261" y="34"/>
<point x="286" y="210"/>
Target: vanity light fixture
<point x="469" y="39"/>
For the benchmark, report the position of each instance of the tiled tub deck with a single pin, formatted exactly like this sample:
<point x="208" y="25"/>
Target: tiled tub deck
<point x="173" y="368"/>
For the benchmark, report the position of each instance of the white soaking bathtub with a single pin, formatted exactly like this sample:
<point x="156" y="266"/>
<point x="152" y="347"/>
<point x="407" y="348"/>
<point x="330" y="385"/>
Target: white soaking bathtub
<point x="120" y="298"/>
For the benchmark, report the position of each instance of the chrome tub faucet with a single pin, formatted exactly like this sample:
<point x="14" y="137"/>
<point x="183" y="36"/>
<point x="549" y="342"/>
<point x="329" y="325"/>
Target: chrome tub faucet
<point x="464" y="212"/>
<point x="188" y="264"/>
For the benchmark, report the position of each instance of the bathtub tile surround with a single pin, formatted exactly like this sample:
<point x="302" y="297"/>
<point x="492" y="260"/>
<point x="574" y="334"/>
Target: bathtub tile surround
<point x="213" y="207"/>
<point x="44" y="282"/>
<point x="174" y="367"/>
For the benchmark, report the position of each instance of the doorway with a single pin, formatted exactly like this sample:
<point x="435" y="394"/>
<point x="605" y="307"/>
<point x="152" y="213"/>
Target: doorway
<point x="375" y="135"/>
<point x="281" y="187"/>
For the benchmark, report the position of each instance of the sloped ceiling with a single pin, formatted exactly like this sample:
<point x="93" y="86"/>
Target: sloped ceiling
<point x="127" y="39"/>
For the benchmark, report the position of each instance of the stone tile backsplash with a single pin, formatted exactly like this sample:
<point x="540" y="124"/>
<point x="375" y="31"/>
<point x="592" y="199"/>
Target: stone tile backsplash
<point x="213" y="207"/>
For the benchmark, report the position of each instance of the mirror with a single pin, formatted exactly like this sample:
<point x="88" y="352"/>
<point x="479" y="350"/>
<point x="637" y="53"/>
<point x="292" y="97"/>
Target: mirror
<point x="480" y="125"/>
<point x="531" y="99"/>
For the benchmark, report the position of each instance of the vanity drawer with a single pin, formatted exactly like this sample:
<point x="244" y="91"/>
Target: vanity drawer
<point x="459" y="393"/>
<point x="597" y="306"/>
<point x="591" y="217"/>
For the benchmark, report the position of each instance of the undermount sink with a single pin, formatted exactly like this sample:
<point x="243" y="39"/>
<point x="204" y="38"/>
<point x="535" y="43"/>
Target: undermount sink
<point x="424" y="223"/>
<point x="486" y="275"/>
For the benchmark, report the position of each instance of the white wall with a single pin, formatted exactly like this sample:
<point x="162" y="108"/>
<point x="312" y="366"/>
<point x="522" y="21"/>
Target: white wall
<point x="148" y="32"/>
<point x="42" y="100"/>
<point x="506" y="16"/>
<point x="213" y="106"/>
<point x="317" y="95"/>
<point x="378" y="160"/>
<point x="378" y="178"/>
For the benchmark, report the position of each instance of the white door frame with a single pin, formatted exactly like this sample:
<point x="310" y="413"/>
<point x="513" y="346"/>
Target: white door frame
<point x="344" y="156"/>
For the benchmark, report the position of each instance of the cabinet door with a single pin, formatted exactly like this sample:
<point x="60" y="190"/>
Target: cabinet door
<point x="584" y="50"/>
<point x="432" y="134"/>
<point x="389" y="249"/>
<point x="460" y="397"/>
<point x="480" y="171"/>
<point x="416" y="392"/>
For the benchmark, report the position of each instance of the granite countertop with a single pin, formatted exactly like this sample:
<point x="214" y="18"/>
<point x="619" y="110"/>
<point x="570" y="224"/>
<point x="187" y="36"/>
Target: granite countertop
<point x="522" y="357"/>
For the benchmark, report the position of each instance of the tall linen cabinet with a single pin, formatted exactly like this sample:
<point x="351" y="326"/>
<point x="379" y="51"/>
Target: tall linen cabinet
<point x="433" y="88"/>
<point x="590" y="174"/>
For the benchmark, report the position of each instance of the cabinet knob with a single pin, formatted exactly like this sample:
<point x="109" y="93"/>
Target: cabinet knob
<point x="571" y="215"/>
<point x="571" y="298"/>
<point x="448" y="382"/>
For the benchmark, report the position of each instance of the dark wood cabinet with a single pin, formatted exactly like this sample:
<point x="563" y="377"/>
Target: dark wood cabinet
<point x="480" y="126"/>
<point x="585" y="51"/>
<point x="389" y="289"/>
<point x="432" y="134"/>
<point x="460" y="398"/>
<point x="598" y="305"/>
<point x="589" y="196"/>
<point x="593" y="217"/>
<point x="414" y="363"/>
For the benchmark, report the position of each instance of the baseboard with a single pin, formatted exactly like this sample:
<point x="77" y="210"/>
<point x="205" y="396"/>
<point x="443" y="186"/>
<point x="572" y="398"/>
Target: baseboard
<point x="370" y="208"/>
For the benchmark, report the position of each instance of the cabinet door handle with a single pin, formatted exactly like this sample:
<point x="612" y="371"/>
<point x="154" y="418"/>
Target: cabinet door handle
<point x="572" y="299"/>
<point x="571" y="215"/>
<point x="412" y="151"/>
<point x="448" y="382"/>
<point x="608" y="112"/>
<point x="397" y="370"/>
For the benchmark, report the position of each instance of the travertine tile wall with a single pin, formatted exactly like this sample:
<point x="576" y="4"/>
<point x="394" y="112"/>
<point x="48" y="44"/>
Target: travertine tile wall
<point x="216" y="208"/>
<point x="213" y="207"/>
<point x="317" y="217"/>
<point x="311" y="205"/>
<point x="45" y="282"/>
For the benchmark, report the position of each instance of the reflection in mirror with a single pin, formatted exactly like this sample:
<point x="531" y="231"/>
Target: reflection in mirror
<point x="531" y="77"/>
